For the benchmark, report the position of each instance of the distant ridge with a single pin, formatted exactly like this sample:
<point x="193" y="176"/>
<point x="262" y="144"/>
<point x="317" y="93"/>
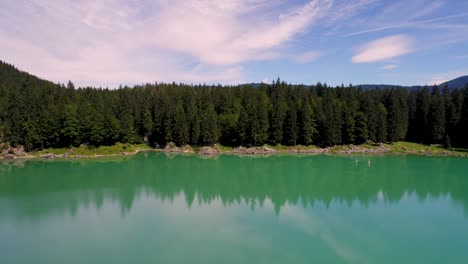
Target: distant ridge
<point x="459" y="82"/>
<point x="10" y="72"/>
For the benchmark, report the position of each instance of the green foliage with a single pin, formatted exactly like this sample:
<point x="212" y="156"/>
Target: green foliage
<point x="436" y="116"/>
<point x="181" y="129"/>
<point x="278" y="111"/>
<point x="40" y="115"/>
<point x="397" y="114"/>
<point x="209" y="126"/>
<point x="147" y="123"/>
<point x="361" y="131"/>
<point x="330" y="120"/>
<point x="69" y="127"/>
<point x="308" y="125"/>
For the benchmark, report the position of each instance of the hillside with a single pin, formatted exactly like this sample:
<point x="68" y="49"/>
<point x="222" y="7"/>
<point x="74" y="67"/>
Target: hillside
<point x="460" y="82"/>
<point x="39" y="114"/>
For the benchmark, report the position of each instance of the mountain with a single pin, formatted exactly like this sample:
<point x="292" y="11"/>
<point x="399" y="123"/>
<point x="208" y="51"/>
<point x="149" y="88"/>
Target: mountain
<point x="9" y="73"/>
<point x="459" y="82"/>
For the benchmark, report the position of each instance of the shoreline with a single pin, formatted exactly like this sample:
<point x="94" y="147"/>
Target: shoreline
<point x="398" y="148"/>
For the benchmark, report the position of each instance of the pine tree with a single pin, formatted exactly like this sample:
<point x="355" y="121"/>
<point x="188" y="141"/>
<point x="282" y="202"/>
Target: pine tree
<point x="278" y="111"/>
<point x="291" y="128"/>
<point x="147" y="123"/>
<point x="181" y="132"/>
<point x="382" y="113"/>
<point x="361" y="131"/>
<point x="463" y="124"/>
<point x="436" y="116"/>
<point x="242" y="126"/>
<point x="330" y="121"/>
<point x="69" y="129"/>
<point x="348" y="127"/>
<point x="209" y="126"/>
<point x="423" y="102"/>
<point x="397" y="107"/>
<point x="307" y="124"/>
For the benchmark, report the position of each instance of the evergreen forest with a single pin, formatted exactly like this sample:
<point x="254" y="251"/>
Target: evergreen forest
<point x="39" y="114"/>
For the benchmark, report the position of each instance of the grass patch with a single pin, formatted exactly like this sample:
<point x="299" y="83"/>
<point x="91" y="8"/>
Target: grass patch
<point x="280" y="147"/>
<point x="417" y="148"/>
<point x="91" y="150"/>
<point x="224" y="148"/>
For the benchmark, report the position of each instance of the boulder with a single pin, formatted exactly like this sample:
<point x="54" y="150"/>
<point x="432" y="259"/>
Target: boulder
<point x="9" y="157"/>
<point x="254" y="150"/>
<point x="171" y="147"/>
<point x="47" y="156"/>
<point x="19" y="151"/>
<point x="208" y="151"/>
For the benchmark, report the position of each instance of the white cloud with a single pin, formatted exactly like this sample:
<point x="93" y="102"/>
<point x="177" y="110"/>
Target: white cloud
<point x="383" y="49"/>
<point x="390" y="67"/>
<point x="216" y="34"/>
<point x="307" y="57"/>
<point x="114" y="41"/>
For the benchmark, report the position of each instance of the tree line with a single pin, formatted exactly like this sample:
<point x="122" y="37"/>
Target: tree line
<point x="40" y="114"/>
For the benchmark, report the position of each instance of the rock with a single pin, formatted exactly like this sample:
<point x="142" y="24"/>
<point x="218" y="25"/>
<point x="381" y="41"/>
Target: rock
<point x="47" y="156"/>
<point x="208" y="151"/>
<point x="268" y="150"/>
<point x="19" y="151"/>
<point x="9" y="157"/>
<point x="253" y="150"/>
<point x="171" y="147"/>
<point x="312" y="150"/>
<point x="238" y="150"/>
<point x="187" y="149"/>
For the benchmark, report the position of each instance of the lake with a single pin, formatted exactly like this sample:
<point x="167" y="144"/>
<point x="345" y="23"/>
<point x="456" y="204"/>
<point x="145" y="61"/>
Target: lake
<point x="155" y="208"/>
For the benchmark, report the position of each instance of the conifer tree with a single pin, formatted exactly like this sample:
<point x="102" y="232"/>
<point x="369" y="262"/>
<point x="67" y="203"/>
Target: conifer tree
<point x="307" y="124"/>
<point x="436" y="116"/>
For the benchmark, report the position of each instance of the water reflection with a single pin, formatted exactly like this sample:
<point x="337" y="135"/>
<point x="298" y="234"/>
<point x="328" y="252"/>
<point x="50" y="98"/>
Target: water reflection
<point x="40" y="188"/>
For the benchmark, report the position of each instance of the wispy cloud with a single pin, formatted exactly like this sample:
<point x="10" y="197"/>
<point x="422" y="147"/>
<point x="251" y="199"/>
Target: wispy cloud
<point x="390" y="67"/>
<point x="383" y="49"/>
<point x="108" y="42"/>
<point x="307" y="57"/>
<point x="113" y="41"/>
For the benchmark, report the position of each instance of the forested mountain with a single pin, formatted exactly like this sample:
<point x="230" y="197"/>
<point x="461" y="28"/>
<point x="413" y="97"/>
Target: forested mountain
<point x="457" y="82"/>
<point x="39" y="114"/>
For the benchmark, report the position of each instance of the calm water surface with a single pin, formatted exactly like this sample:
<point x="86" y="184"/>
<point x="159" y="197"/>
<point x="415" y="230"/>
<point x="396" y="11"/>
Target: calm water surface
<point x="153" y="208"/>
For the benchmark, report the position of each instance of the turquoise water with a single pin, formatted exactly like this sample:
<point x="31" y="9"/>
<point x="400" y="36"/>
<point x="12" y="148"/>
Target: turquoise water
<point x="153" y="208"/>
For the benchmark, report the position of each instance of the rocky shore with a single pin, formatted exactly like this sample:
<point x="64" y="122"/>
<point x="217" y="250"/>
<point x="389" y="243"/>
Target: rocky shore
<point x="10" y="153"/>
<point x="18" y="153"/>
<point x="340" y="150"/>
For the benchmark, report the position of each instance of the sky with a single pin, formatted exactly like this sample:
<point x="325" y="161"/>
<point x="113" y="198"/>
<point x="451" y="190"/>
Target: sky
<point x="105" y="43"/>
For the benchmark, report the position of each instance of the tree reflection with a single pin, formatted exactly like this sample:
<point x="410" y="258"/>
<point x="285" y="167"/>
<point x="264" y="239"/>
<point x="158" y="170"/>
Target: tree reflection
<point x="39" y="188"/>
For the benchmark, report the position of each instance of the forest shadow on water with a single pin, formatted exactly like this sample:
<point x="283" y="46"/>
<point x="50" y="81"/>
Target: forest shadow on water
<point x="35" y="189"/>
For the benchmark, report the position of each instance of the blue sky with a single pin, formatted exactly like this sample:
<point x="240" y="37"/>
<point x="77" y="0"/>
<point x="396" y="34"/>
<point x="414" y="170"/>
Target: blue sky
<point x="112" y="42"/>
